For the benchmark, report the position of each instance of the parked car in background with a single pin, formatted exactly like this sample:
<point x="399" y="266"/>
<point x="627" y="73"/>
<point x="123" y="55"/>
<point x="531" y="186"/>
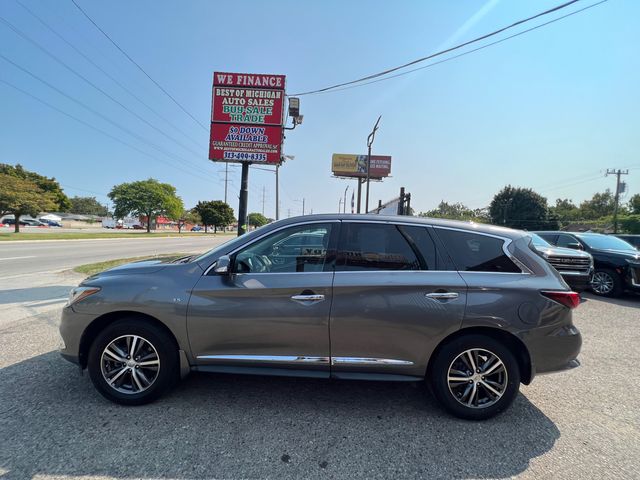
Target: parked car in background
<point x="24" y="222"/>
<point x="196" y="228"/>
<point x="51" y="223"/>
<point x="616" y="262"/>
<point x="470" y="308"/>
<point x="575" y="266"/>
<point x="632" y="239"/>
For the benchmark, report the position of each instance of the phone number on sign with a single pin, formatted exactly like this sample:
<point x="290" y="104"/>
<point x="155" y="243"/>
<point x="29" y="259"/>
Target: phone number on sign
<point x="250" y="157"/>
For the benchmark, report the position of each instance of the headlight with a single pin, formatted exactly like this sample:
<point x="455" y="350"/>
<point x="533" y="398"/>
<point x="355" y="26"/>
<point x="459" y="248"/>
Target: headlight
<point x="633" y="261"/>
<point x="80" y="293"/>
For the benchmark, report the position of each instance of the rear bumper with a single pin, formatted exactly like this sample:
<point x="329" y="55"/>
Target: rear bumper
<point x="554" y="349"/>
<point x="577" y="281"/>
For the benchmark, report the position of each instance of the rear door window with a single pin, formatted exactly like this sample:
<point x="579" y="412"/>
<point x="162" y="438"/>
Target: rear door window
<point x="472" y="252"/>
<point x="371" y="246"/>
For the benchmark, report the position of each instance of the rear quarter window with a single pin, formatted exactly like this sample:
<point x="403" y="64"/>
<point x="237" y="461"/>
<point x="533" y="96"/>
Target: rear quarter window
<point x="472" y="252"/>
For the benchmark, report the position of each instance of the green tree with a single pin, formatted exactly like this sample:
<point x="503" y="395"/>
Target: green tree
<point x="148" y="198"/>
<point x="87" y="206"/>
<point x="22" y="197"/>
<point x="188" y="216"/>
<point x="600" y="205"/>
<point x="521" y="208"/>
<point x="256" y="219"/>
<point x="634" y="204"/>
<point x="455" y="211"/>
<point x="45" y="184"/>
<point x="216" y="213"/>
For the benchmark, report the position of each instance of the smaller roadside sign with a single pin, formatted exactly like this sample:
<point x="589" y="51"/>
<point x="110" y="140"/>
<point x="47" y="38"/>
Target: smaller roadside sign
<point x="349" y="165"/>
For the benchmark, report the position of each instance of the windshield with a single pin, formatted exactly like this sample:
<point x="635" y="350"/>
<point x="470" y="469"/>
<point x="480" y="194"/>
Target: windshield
<point x="606" y="242"/>
<point x="538" y="241"/>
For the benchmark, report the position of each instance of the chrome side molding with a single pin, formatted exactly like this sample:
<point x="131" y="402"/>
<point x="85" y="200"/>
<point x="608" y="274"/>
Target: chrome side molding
<point x="268" y="358"/>
<point x="303" y="359"/>
<point x="368" y="361"/>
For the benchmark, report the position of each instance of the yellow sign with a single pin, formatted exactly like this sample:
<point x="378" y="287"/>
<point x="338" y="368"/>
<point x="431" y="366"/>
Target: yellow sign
<point x="348" y="165"/>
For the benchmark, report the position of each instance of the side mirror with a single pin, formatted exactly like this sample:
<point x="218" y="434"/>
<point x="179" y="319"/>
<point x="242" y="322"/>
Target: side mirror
<point x="574" y="245"/>
<point x="223" y="265"/>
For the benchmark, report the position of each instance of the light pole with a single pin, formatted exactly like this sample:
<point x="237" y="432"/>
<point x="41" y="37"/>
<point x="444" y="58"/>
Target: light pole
<point x="344" y="205"/>
<point x="370" y="139"/>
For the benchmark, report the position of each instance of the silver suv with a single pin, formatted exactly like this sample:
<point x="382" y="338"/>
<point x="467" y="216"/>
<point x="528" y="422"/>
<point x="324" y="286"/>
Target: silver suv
<point x="470" y="308"/>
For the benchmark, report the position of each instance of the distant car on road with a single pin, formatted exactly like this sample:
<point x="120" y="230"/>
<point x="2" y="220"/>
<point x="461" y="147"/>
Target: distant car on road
<point x="632" y="239"/>
<point x="51" y="223"/>
<point x="575" y="266"/>
<point x="196" y="228"/>
<point x="616" y="262"/>
<point x="470" y="308"/>
<point x="25" y="222"/>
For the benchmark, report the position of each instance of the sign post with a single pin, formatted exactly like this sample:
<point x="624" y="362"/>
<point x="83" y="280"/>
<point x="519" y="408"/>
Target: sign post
<point x="247" y="116"/>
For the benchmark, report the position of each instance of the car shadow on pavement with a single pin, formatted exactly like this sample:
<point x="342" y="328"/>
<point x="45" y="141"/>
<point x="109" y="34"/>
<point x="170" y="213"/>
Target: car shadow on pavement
<point x="52" y="422"/>
<point x="34" y="294"/>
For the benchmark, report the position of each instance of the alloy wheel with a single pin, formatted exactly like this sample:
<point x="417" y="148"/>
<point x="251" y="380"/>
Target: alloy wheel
<point x="477" y="378"/>
<point x="130" y="364"/>
<point x="602" y="283"/>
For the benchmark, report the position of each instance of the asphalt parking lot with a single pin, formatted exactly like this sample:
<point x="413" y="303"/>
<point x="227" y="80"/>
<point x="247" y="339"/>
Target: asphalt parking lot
<point x="580" y="424"/>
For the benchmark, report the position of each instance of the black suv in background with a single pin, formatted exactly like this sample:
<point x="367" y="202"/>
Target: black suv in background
<point x="575" y="266"/>
<point x="632" y="239"/>
<point x="616" y="262"/>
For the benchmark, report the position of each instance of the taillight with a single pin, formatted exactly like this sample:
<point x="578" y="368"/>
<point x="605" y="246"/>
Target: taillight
<point x="568" y="299"/>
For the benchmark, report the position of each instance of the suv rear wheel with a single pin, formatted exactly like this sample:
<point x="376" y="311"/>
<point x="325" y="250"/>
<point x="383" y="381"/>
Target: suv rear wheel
<point x="475" y="377"/>
<point x="133" y="362"/>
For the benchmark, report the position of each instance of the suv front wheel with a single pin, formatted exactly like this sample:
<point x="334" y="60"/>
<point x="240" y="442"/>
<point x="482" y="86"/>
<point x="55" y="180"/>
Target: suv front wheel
<point x="133" y="362"/>
<point x="475" y="377"/>
<point x="606" y="283"/>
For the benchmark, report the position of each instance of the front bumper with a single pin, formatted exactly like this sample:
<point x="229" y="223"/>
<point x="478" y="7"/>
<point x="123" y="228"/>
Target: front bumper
<point x="72" y="326"/>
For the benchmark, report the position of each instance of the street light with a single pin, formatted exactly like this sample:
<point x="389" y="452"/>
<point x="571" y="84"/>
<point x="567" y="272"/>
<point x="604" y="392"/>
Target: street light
<point x="370" y="139"/>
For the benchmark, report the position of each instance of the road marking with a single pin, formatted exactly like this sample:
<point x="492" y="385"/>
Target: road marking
<point x="17" y="258"/>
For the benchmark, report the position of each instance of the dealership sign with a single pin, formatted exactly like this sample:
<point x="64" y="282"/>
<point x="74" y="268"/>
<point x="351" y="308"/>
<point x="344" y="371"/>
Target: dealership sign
<point x="345" y="165"/>
<point x="247" y="117"/>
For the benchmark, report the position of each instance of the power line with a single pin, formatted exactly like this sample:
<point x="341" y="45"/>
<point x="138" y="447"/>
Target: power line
<point x="139" y="67"/>
<point x="470" y="51"/>
<point x="15" y="87"/>
<point x="97" y="113"/>
<point x="92" y="62"/>
<point x="85" y="79"/>
<point x="448" y="50"/>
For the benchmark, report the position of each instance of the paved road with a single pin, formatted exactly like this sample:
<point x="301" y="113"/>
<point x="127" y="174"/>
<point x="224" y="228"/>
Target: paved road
<point x="27" y="257"/>
<point x="580" y="424"/>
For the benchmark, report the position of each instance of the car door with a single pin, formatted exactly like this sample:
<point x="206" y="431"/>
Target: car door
<point x="272" y="309"/>
<point x="394" y="299"/>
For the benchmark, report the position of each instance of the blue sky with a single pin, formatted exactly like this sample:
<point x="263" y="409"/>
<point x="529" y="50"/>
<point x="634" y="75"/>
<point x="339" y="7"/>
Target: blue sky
<point x="550" y="110"/>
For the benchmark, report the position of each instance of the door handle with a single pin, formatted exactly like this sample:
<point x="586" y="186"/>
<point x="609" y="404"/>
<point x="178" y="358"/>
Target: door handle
<point x="307" y="298"/>
<point x="442" y="295"/>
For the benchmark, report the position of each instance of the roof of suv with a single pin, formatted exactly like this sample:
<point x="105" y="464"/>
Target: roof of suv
<point x="439" y="222"/>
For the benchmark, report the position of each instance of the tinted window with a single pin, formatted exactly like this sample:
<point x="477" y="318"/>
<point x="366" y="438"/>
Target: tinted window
<point x="605" y="242"/>
<point x="368" y="246"/>
<point x="565" y="241"/>
<point x="549" y="237"/>
<point x="297" y="249"/>
<point x="476" y="253"/>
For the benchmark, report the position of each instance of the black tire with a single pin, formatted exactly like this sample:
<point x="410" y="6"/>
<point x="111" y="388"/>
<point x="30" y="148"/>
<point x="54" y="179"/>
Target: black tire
<point x="163" y="348"/>
<point x="616" y="280"/>
<point x="444" y="360"/>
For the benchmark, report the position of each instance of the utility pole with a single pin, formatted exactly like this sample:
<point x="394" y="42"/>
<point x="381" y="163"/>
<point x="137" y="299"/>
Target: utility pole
<point x="370" y="139"/>
<point x="617" y="173"/>
<point x="339" y="205"/>
<point x="359" y="193"/>
<point x="263" y="192"/>
<point x="302" y="205"/>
